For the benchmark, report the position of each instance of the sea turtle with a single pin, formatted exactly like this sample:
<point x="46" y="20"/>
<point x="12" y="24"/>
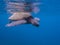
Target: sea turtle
<point x="22" y="18"/>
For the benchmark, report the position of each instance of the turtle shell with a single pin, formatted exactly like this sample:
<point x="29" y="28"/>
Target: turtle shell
<point x="19" y="15"/>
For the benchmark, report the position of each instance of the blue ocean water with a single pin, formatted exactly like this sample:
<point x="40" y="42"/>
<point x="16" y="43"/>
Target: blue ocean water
<point x="47" y="34"/>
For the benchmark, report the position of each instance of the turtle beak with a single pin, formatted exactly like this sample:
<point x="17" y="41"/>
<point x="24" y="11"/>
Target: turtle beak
<point x="37" y="19"/>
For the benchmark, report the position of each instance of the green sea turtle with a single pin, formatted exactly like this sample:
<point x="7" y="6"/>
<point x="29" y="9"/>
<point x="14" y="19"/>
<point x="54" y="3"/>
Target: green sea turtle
<point x="22" y="18"/>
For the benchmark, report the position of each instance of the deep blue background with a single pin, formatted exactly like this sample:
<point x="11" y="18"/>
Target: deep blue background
<point x="47" y="34"/>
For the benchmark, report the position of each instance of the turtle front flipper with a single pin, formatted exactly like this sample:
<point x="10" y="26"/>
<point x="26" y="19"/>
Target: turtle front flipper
<point x="14" y="23"/>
